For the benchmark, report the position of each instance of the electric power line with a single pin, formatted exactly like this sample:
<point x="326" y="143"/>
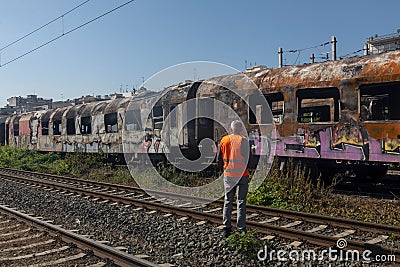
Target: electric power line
<point x="307" y="48"/>
<point x="68" y="32"/>
<point x="44" y="25"/>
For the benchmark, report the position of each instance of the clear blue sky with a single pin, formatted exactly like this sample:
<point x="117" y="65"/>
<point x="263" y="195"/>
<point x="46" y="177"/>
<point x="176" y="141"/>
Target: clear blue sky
<point x="147" y="36"/>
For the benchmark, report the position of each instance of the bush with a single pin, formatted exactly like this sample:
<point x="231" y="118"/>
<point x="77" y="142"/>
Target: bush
<point x="247" y="243"/>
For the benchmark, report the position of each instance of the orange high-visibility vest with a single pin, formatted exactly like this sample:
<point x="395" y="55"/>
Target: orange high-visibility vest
<point x="234" y="162"/>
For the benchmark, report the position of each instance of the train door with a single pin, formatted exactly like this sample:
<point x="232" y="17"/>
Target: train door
<point x="205" y="127"/>
<point x="205" y="121"/>
<point x="7" y="133"/>
<point x="2" y="133"/>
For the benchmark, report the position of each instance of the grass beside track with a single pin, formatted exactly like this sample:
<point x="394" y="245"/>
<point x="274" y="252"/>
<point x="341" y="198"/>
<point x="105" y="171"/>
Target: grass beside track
<point x="290" y="188"/>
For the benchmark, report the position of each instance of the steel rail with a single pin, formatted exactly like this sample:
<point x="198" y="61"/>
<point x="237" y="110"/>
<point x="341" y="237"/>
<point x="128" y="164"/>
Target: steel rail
<point x="103" y="251"/>
<point x="312" y="238"/>
<point x="307" y="217"/>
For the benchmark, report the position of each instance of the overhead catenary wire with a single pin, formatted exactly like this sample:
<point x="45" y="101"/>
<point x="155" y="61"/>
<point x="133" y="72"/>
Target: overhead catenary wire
<point x="298" y="51"/>
<point x="307" y="48"/>
<point x="68" y="32"/>
<point x="44" y="25"/>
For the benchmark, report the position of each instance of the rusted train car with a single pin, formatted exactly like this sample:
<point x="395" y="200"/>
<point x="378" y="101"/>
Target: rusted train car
<point x="338" y="113"/>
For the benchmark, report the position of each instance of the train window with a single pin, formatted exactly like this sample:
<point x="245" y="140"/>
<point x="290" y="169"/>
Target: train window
<point x="57" y="127"/>
<point x="158" y="117"/>
<point x="71" y="126"/>
<point x="45" y="127"/>
<point x="258" y="108"/>
<point x="317" y="105"/>
<point x="16" y="129"/>
<point x="133" y="120"/>
<point x="111" y="122"/>
<point x="86" y="125"/>
<point x="378" y="102"/>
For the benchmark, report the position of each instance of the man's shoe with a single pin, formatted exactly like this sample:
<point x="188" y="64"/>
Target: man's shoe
<point x="243" y="231"/>
<point x="227" y="232"/>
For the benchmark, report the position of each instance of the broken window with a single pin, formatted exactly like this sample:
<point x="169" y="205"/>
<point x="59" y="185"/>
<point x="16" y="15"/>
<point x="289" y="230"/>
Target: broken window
<point x="16" y="129"/>
<point x="259" y="109"/>
<point x="379" y="102"/>
<point x="86" y="125"/>
<point x="158" y="117"/>
<point x="111" y="122"/>
<point x="45" y="127"/>
<point x="71" y="126"/>
<point x="317" y="105"/>
<point x="57" y="128"/>
<point x="133" y="120"/>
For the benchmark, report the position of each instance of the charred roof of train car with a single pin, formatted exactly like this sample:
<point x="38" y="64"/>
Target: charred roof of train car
<point x="176" y="93"/>
<point x="114" y="105"/>
<point x="58" y="113"/>
<point x="374" y="67"/>
<point x="74" y="111"/>
<point x="26" y="117"/>
<point x="99" y="108"/>
<point x="46" y="115"/>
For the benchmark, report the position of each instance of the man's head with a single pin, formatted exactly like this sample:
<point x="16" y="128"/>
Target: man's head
<point x="237" y="127"/>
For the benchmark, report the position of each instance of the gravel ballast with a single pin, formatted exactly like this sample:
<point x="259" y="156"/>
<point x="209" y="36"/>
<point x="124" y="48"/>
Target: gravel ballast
<point x="163" y="239"/>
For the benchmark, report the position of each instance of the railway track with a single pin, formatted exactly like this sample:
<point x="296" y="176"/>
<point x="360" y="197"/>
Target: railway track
<point x="299" y="227"/>
<point x="30" y="241"/>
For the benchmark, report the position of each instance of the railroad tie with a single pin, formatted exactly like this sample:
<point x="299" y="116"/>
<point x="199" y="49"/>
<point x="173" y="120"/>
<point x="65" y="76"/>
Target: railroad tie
<point x="273" y="219"/>
<point x="295" y="244"/>
<point x="213" y="210"/>
<point x="268" y="237"/>
<point x="60" y="261"/>
<point x="185" y="204"/>
<point x="122" y="248"/>
<point x="16" y="232"/>
<point x="99" y="264"/>
<point x="292" y="224"/>
<point x="345" y="233"/>
<point x="252" y="215"/>
<point x="142" y="256"/>
<point x="21" y="239"/>
<point x="198" y="207"/>
<point x="49" y="241"/>
<point x="317" y="229"/>
<point x="27" y="256"/>
<point x="7" y="228"/>
<point x="377" y="239"/>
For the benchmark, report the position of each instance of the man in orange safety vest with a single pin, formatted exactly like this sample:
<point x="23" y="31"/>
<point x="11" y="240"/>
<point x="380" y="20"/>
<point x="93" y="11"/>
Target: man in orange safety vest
<point x="233" y="156"/>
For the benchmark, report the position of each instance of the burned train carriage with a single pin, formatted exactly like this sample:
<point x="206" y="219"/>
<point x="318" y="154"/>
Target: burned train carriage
<point x="339" y="112"/>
